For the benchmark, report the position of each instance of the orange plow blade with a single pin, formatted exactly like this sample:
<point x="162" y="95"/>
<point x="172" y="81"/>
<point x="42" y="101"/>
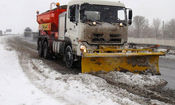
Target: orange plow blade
<point x="132" y="62"/>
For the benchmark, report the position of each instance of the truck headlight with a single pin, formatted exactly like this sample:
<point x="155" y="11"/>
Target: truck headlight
<point x="121" y="24"/>
<point x="94" y="23"/>
<point x="83" y="48"/>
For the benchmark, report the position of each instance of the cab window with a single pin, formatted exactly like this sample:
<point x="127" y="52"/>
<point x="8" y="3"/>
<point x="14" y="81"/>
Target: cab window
<point x="74" y="13"/>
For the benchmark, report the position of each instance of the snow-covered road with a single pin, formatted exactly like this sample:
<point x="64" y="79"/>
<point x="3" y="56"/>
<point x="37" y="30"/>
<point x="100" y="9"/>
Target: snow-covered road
<point x="26" y="80"/>
<point x="15" y="87"/>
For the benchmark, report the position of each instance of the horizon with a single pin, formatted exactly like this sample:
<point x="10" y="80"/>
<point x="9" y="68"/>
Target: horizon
<point x="19" y="16"/>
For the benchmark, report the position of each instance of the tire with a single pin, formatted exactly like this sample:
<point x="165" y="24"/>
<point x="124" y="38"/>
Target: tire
<point x="40" y="49"/>
<point x="69" y="59"/>
<point x="45" y="50"/>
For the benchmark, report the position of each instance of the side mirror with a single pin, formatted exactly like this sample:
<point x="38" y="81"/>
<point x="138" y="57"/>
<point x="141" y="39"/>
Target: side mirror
<point x="130" y="17"/>
<point x="130" y="14"/>
<point x="129" y="22"/>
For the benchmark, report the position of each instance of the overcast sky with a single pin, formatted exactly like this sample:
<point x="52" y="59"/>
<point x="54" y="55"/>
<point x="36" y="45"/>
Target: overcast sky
<point x="18" y="14"/>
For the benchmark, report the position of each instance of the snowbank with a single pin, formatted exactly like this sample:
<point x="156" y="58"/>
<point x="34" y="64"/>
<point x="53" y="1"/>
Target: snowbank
<point x="132" y="79"/>
<point x="168" y="56"/>
<point x="86" y="89"/>
<point x="15" y="88"/>
<point x="82" y="89"/>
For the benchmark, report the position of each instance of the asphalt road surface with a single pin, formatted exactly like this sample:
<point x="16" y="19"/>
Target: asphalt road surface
<point x="167" y="69"/>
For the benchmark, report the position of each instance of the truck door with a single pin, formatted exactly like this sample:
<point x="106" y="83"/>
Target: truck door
<point x="72" y="24"/>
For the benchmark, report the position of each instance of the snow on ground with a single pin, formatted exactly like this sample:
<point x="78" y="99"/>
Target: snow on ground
<point x="82" y="89"/>
<point x="85" y="89"/>
<point x="15" y="88"/>
<point x="135" y="79"/>
<point x="69" y="89"/>
<point x="169" y="56"/>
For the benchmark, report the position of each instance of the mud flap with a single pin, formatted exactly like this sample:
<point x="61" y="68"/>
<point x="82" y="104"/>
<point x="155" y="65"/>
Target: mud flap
<point x="135" y="64"/>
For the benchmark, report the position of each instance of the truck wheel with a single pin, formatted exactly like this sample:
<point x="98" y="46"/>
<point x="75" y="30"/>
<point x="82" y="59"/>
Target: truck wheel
<point x="45" y="50"/>
<point x="40" y="49"/>
<point x="69" y="57"/>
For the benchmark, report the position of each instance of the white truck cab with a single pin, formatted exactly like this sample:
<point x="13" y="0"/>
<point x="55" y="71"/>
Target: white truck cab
<point x="90" y="23"/>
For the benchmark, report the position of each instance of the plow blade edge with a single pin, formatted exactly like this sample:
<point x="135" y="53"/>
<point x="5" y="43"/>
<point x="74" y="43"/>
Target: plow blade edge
<point x="132" y="63"/>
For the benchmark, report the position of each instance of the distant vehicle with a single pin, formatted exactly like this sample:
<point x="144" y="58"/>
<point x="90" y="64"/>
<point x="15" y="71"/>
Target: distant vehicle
<point x="28" y="32"/>
<point x="1" y="33"/>
<point x="8" y="30"/>
<point x="35" y="35"/>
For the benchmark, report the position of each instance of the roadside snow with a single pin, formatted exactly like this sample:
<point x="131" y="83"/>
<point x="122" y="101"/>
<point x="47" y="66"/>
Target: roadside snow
<point x="168" y="56"/>
<point x="132" y="79"/>
<point x="84" y="89"/>
<point x="69" y="89"/>
<point x="15" y="88"/>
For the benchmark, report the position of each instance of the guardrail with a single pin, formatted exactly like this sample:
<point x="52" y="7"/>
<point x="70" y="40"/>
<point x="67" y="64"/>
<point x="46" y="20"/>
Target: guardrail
<point x="162" y="42"/>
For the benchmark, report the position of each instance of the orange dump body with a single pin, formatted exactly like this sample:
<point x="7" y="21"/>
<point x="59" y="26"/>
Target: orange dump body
<point x="50" y="17"/>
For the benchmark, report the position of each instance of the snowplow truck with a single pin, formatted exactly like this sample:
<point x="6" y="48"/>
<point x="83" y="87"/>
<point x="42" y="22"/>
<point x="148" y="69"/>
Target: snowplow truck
<point x="95" y="33"/>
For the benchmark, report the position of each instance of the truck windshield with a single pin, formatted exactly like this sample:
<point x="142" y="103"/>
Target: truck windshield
<point x="102" y="13"/>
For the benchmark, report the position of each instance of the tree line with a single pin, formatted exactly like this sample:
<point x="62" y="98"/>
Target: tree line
<point x="157" y="29"/>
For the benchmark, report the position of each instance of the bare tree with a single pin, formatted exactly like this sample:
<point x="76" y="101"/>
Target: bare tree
<point x="156" y="27"/>
<point x="140" y="23"/>
<point x="141" y="28"/>
<point x="147" y="31"/>
<point x="131" y="32"/>
<point x="169" y="30"/>
<point x="172" y="28"/>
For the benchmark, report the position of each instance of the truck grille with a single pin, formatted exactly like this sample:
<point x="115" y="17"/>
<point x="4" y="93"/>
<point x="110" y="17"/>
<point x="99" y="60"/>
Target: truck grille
<point x="115" y="40"/>
<point x="98" y="38"/>
<point x="115" y="35"/>
<point x="112" y="38"/>
<point x="98" y="35"/>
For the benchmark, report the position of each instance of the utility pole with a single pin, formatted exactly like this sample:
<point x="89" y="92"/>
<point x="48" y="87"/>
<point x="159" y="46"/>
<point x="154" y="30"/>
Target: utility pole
<point x="163" y="30"/>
